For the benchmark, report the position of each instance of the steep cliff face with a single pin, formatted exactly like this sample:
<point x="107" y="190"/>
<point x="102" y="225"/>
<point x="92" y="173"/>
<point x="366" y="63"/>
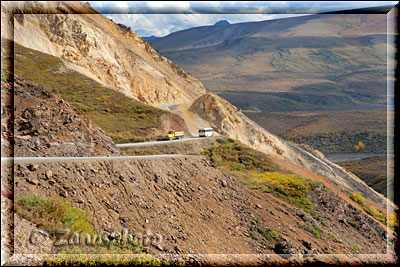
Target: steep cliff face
<point x="109" y="53"/>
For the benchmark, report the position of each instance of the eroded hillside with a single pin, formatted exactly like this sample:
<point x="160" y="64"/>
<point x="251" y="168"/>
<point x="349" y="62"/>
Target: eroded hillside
<point x="198" y="208"/>
<point x="122" y="118"/>
<point x="206" y="110"/>
<point x="99" y="48"/>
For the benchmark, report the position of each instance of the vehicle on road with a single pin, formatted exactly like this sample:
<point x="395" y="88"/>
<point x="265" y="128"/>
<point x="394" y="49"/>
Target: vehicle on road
<point x="206" y="132"/>
<point x="172" y="135"/>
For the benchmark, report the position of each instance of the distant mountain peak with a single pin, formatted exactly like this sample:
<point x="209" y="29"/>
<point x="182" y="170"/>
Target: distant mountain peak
<point x="222" y="22"/>
<point x="149" y="38"/>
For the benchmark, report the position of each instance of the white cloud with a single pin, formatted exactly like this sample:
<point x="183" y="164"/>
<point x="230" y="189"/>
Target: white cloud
<point x="122" y="6"/>
<point x="162" y="5"/>
<point x="164" y="24"/>
<point x="185" y="14"/>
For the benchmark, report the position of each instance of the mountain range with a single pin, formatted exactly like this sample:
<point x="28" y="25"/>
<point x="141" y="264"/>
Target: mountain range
<point x="314" y="62"/>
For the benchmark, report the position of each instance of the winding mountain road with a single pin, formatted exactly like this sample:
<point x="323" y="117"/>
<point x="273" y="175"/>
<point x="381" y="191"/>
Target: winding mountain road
<point x="158" y="142"/>
<point x="61" y="159"/>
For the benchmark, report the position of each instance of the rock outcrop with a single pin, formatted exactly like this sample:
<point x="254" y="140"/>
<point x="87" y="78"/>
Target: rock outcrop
<point x="46" y="125"/>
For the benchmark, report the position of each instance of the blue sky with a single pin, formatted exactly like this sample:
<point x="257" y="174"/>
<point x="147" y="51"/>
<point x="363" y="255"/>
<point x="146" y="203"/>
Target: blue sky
<point x="160" y="18"/>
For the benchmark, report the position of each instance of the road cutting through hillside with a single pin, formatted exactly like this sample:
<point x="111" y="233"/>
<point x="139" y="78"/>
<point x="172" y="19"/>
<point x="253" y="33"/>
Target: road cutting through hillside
<point x="158" y="142"/>
<point x="61" y="159"/>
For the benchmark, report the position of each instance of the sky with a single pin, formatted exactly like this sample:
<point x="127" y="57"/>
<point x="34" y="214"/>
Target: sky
<point x="160" y="18"/>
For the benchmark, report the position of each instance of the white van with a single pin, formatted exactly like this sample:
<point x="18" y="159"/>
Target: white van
<point x="206" y="132"/>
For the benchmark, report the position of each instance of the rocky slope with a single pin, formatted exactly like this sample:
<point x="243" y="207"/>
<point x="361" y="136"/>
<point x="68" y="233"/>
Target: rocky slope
<point x="199" y="109"/>
<point x="198" y="209"/>
<point x="45" y="125"/>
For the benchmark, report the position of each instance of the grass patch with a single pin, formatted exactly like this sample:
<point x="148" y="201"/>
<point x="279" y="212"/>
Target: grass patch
<point x="118" y="115"/>
<point x="141" y="151"/>
<point x="52" y="214"/>
<point x="291" y="187"/>
<point x="102" y="257"/>
<point x="315" y="230"/>
<point x="237" y="166"/>
<point x="58" y="213"/>
<point x="231" y="155"/>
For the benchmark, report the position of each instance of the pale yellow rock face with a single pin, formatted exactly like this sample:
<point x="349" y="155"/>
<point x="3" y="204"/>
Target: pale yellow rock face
<point x="108" y="53"/>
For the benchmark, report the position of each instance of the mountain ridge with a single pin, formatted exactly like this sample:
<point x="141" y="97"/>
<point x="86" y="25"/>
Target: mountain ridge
<point x="323" y="61"/>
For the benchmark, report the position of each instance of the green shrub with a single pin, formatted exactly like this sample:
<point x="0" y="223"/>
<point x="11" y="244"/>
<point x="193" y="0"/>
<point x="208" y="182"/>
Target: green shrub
<point x="314" y="229"/>
<point x="271" y="235"/>
<point x="5" y="76"/>
<point x="393" y="221"/>
<point x="255" y="236"/>
<point x="221" y="141"/>
<point x="82" y="107"/>
<point x="237" y="166"/>
<point x="357" y="249"/>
